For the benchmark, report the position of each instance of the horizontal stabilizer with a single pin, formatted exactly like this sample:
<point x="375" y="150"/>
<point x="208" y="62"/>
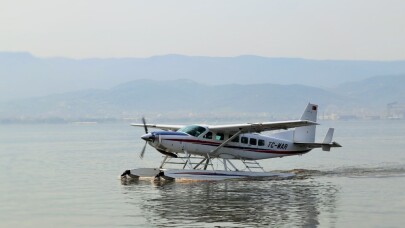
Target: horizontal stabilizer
<point x="326" y="145"/>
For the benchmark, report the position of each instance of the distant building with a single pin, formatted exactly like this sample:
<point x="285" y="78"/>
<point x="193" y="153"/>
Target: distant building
<point x="348" y="117"/>
<point x="395" y="110"/>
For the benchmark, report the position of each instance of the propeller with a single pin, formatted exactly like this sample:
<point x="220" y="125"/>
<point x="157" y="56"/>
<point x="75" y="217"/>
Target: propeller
<point x="143" y="150"/>
<point x="144" y="125"/>
<point x="146" y="132"/>
<point x="151" y="138"/>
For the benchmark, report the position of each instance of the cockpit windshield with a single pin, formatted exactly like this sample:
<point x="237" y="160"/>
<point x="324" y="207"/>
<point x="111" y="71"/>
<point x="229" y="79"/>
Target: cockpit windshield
<point x="193" y="130"/>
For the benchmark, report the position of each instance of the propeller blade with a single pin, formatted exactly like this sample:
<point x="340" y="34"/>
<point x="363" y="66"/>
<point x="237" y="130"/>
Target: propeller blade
<point x="144" y="125"/>
<point x="143" y="150"/>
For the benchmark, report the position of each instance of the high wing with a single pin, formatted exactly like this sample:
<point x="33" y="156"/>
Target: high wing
<point x="265" y="126"/>
<point x="165" y="127"/>
<point x="247" y="127"/>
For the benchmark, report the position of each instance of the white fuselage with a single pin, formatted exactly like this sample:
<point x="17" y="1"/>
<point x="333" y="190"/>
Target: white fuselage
<point x="248" y="146"/>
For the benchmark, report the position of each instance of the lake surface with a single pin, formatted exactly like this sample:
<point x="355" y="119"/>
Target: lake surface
<point x="67" y="176"/>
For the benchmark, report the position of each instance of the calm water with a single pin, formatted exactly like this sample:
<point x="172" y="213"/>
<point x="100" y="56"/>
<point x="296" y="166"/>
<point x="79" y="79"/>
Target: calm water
<point x="67" y="176"/>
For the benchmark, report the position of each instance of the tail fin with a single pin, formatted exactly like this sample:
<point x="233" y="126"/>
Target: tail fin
<point x="329" y="136"/>
<point x="307" y="134"/>
<point x="328" y="140"/>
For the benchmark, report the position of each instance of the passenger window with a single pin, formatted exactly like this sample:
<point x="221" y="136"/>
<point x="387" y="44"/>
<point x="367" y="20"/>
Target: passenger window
<point x="219" y="136"/>
<point x="208" y="135"/>
<point x="244" y="140"/>
<point x="261" y="142"/>
<point x="236" y="139"/>
<point x="253" y="141"/>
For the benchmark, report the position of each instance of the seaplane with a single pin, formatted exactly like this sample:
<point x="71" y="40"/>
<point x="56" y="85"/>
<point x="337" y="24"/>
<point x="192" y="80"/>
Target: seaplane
<point x="210" y="152"/>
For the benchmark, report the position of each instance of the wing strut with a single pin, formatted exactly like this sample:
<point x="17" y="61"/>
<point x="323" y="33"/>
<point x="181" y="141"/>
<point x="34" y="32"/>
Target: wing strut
<point x="213" y="152"/>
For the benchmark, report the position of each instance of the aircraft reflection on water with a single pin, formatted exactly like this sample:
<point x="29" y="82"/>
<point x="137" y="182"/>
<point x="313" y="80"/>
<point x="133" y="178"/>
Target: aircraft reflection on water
<point x="296" y="202"/>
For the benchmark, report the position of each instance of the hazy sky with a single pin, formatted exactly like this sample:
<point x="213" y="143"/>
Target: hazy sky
<point x="317" y="29"/>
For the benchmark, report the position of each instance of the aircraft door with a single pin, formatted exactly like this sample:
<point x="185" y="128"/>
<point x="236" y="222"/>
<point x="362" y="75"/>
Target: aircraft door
<point x="185" y="146"/>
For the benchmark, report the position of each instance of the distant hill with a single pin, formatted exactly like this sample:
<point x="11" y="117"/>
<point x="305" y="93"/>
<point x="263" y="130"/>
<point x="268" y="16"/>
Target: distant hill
<point x="184" y="97"/>
<point x="23" y="75"/>
<point x="178" y="96"/>
<point x="375" y="91"/>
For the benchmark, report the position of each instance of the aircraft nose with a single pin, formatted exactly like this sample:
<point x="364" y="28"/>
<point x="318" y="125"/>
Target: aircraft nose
<point x="147" y="137"/>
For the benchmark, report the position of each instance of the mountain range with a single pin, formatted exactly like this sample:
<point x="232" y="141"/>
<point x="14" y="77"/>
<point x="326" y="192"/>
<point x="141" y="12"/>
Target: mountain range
<point x="25" y="76"/>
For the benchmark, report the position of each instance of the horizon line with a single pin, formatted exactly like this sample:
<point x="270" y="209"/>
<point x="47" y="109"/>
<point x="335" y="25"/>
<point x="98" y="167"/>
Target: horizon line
<point x="193" y="56"/>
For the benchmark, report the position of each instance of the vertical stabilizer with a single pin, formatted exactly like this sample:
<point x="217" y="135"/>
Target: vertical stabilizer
<point x="307" y="134"/>
<point x="329" y="136"/>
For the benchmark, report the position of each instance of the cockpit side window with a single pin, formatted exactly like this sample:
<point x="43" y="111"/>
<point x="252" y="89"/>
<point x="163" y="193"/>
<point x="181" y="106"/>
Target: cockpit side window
<point x="244" y="140"/>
